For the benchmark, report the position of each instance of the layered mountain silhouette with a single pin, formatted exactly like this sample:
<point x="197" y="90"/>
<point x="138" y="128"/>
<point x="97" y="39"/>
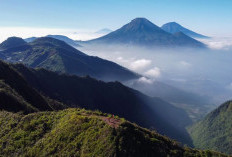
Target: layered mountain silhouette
<point x="141" y="31"/>
<point x="214" y="131"/>
<point x="85" y="92"/>
<point x="58" y="56"/>
<point x="59" y="37"/>
<point x="173" y="27"/>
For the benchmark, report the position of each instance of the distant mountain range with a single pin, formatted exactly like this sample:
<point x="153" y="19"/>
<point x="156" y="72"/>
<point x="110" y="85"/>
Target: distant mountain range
<point x="85" y="92"/>
<point x="173" y="27"/>
<point x="58" y="56"/>
<point x="59" y="37"/>
<point x="214" y="131"/>
<point x="142" y="32"/>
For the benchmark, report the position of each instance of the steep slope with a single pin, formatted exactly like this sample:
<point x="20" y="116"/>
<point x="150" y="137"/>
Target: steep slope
<point x="214" y="131"/>
<point x="141" y="31"/>
<point x="173" y="27"/>
<point x="56" y="55"/>
<point x="16" y="95"/>
<point x="10" y="100"/>
<point x="82" y="133"/>
<point x="112" y="98"/>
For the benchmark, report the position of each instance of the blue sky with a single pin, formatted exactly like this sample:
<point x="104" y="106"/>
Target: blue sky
<point x="205" y="16"/>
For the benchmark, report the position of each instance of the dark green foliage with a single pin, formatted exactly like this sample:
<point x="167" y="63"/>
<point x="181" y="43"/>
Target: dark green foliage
<point x="10" y="100"/>
<point x="17" y="95"/>
<point x="75" y="132"/>
<point x="215" y="130"/>
<point x="68" y="133"/>
<point x="58" y="56"/>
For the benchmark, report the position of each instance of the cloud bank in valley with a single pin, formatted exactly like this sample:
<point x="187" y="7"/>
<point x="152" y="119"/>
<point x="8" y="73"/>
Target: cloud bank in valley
<point x="218" y="43"/>
<point x="199" y="71"/>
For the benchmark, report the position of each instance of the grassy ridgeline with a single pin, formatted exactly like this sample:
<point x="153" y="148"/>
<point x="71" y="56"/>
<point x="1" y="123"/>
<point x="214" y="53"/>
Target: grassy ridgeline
<point x="75" y="132"/>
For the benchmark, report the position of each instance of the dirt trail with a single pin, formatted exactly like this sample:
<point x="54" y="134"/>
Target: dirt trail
<point x="109" y="120"/>
<point x="112" y="121"/>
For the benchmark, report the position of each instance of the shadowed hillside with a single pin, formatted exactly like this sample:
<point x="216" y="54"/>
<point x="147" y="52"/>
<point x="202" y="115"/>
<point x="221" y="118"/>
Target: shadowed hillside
<point x="17" y="95"/>
<point x="214" y="131"/>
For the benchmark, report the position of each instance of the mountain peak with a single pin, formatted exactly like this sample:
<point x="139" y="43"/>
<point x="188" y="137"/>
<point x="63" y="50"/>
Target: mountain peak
<point x="12" y="42"/>
<point x="55" y="43"/>
<point x="141" y="23"/>
<point x="140" y="19"/>
<point x="50" y="41"/>
<point x="172" y="23"/>
<point x="174" y="27"/>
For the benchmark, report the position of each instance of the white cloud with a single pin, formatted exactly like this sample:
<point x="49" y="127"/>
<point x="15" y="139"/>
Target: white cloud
<point x="145" y="80"/>
<point x="123" y="60"/>
<point x="140" y="64"/>
<point x="218" y="43"/>
<point x="154" y="72"/>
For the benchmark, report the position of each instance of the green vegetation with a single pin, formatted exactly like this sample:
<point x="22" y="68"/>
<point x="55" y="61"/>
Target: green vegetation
<point x="76" y="132"/>
<point x="215" y="130"/>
